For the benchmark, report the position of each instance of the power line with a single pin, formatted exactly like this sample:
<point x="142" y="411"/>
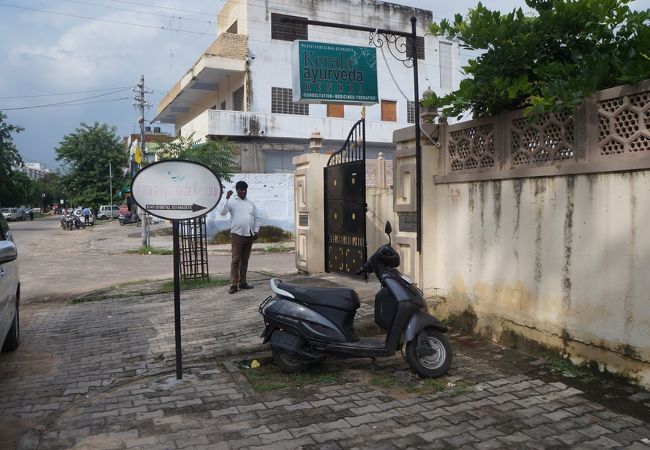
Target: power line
<point x="140" y="11"/>
<point x="65" y="93"/>
<point x="63" y="103"/>
<point x="161" y="7"/>
<point x="66" y="104"/>
<point x="155" y="27"/>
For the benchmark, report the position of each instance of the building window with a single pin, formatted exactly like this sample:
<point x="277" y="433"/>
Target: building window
<point x="409" y="47"/>
<point x="287" y="31"/>
<point x="446" y="78"/>
<point x="389" y="111"/>
<point x="232" y="28"/>
<point x="238" y="99"/>
<point x="410" y="111"/>
<point x="223" y="106"/>
<point x="282" y="103"/>
<point x="335" y="110"/>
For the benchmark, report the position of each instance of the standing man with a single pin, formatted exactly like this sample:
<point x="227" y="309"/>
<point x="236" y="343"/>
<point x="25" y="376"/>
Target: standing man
<point x="244" y="229"/>
<point x="86" y="213"/>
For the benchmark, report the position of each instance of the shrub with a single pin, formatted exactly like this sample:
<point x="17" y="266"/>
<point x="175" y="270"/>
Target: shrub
<point x="268" y="233"/>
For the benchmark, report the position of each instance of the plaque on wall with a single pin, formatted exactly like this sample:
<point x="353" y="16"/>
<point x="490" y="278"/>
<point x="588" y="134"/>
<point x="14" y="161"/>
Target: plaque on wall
<point x="408" y="222"/>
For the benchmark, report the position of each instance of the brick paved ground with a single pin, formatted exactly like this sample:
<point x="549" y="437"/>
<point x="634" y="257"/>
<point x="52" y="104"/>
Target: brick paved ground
<point x="101" y="375"/>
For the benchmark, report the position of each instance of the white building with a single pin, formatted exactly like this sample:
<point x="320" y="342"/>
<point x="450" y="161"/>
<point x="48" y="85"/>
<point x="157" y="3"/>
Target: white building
<point x="240" y="87"/>
<point x="34" y="170"/>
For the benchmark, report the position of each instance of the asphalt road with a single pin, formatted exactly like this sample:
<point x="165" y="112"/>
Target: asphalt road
<point x="55" y="263"/>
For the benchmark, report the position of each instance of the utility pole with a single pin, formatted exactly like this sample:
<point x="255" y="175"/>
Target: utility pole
<point x="140" y="101"/>
<point x="110" y="187"/>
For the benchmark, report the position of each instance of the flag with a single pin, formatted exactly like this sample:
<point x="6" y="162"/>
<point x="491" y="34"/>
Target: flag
<point x="137" y="154"/>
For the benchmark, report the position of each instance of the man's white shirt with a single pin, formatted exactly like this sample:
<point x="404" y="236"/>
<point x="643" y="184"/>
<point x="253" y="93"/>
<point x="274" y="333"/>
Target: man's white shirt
<point x="243" y="216"/>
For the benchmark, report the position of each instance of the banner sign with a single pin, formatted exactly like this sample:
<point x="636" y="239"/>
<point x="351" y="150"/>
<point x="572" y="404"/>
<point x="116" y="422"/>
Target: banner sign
<point x="334" y="73"/>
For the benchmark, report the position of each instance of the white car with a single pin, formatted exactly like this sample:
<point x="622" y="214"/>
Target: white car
<point x="9" y="290"/>
<point x="106" y="211"/>
<point x="13" y="214"/>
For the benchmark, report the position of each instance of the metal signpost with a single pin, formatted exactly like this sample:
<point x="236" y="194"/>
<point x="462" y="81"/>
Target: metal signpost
<point x="176" y="190"/>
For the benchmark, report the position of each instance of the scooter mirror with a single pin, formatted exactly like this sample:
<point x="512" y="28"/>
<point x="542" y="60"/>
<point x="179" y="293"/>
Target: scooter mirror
<point x="389" y="229"/>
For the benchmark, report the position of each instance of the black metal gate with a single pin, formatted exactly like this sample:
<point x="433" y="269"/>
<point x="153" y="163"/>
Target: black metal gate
<point x="193" y="249"/>
<point x="345" y="204"/>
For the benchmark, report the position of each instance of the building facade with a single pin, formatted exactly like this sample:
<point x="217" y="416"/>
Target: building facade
<point x="241" y="86"/>
<point x="34" y="170"/>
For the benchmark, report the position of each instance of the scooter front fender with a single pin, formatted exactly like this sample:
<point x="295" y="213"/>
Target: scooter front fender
<point x="419" y="321"/>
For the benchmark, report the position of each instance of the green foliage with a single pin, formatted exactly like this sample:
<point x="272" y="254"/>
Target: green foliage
<point x="86" y="155"/>
<point x="549" y="61"/>
<point x="10" y="187"/>
<point x="218" y="155"/>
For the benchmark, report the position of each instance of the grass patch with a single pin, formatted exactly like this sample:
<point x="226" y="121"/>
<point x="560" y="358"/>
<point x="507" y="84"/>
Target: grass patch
<point x="586" y="372"/>
<point x="267" y="377"/>
<point x="277" y="249"/>
<point x="146" y="250"/>
<point x="410" y="383"/>
<point x="168" y="286"/>
<point x="268" y="234"/>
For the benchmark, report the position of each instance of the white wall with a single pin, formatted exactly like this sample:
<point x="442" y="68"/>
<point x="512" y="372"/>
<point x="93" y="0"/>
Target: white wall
<point x="563" y="261"/>
<point x="273" y="198"/>
<point x="272" y="64"/>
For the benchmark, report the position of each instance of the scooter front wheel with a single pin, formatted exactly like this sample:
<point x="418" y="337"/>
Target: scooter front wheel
<point x="288" y="363"/>
<point x="429" y="354"/>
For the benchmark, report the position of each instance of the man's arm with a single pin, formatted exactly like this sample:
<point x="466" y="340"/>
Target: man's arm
<point x="256" y="224"/>
<point x="225" y="206"/>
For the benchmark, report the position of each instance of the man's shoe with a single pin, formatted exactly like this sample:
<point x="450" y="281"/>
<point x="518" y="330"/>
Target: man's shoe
<point x="233" y="289"/>
<point x="245" y="285"/>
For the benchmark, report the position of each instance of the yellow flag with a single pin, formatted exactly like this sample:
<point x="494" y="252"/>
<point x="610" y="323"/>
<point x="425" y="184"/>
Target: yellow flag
<point x="137" y="154"/>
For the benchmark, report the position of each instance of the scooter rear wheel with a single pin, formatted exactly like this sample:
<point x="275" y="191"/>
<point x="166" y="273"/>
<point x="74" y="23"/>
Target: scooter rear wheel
<point x="429" y="354"/>
<point x="288" y="363"/>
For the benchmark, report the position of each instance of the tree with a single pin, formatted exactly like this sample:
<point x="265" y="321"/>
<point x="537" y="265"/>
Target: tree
<point x="86" y="155"/>
<point x="9" y="158"/>
<point x="217" y="155"/>
<point x="549" y="61"/>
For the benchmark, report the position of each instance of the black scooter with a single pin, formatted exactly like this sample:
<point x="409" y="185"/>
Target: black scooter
<point x="305" y="324"/>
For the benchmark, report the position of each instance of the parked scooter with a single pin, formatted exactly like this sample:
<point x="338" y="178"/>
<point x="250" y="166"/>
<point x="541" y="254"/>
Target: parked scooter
<point x="306" y="324"/>
<point x="128" y="217"/>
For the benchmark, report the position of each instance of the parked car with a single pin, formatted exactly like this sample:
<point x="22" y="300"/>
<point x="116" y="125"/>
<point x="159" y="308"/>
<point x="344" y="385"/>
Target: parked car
<point x="9" y="290"/>
<point x="13" y="214"/>
<point x="106" y="211"/>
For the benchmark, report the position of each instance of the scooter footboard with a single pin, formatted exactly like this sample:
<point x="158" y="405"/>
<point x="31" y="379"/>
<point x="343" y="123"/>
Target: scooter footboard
<point x="419" y="321"/>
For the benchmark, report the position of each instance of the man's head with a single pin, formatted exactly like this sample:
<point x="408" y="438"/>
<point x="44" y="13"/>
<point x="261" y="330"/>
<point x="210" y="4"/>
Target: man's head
<point x="242" y="188"/>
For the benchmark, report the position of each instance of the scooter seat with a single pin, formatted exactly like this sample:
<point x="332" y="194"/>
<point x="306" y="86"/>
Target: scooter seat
<point x="345" y="299"/>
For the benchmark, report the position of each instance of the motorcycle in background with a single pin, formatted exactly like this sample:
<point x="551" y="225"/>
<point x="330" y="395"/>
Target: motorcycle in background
<point x="128" y="217"/>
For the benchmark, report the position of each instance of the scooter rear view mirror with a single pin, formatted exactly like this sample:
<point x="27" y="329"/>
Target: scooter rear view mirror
<point x="389" y="229"/>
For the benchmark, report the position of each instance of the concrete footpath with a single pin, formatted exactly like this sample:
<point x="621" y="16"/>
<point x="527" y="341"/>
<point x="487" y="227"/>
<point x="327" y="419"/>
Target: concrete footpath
<point x="99" y="372"/>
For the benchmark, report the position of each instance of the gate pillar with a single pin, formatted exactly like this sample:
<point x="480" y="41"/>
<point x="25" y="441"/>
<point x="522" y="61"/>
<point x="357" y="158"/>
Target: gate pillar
<point x="309" y="211"/>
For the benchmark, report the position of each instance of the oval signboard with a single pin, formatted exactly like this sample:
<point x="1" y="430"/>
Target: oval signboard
<point x="176" y="189"/>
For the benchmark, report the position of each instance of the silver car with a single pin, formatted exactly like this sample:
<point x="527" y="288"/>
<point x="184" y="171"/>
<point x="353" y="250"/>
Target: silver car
<point x="9" y="290"/>
<point x="12" y="214"/>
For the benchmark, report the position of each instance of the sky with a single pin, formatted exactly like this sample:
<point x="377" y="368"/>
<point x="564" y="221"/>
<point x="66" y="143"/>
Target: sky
<point x="64" y="62"/>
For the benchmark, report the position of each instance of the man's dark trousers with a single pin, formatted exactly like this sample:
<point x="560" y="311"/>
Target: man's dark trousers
<point x="241" y="252"/>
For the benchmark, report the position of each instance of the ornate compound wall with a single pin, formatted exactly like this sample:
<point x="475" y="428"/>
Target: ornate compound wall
<point x="610" y="133"/>
<point x="534" y="233"/>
